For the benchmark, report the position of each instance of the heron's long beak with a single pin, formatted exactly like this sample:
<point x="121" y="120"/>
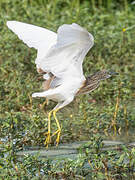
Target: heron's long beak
<point x="113" y="73"/>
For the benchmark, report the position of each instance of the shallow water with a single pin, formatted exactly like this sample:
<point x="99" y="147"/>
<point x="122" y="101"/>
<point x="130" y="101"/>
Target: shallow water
<point x="68" y="150"/>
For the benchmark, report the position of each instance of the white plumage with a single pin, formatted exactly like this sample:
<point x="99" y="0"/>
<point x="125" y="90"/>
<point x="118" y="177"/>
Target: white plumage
<point x="61" y="54"/>
<point x="37" y="37"/>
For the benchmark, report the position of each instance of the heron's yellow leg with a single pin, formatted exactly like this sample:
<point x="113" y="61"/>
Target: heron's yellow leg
<point x="48" y="138"/>
<point x="59" y="128"/>
<point x="46" y="102"/>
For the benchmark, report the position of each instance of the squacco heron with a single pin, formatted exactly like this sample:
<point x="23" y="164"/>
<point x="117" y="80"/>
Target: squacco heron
<point x="60" y="56"/>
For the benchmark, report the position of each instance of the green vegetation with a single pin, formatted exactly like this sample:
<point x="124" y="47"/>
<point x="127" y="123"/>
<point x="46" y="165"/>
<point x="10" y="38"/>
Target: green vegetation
<point x="108" y="112"/>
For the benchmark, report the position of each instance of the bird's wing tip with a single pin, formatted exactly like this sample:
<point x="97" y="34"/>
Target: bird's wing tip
<point x="9" y="23"/>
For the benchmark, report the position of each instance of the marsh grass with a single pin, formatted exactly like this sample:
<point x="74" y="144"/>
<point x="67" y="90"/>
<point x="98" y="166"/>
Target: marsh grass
<point x="108" y="111"/>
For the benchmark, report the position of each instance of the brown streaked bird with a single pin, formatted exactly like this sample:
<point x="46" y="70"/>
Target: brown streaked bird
<point x="93" y="81"/>
<point x="60" y="56"/>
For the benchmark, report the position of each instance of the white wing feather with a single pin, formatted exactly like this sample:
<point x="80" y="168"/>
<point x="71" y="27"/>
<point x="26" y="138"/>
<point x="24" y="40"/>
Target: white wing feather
<point x="60" y="54"/>
<point x="37" y="37"/>
<point x="66" y="56"/>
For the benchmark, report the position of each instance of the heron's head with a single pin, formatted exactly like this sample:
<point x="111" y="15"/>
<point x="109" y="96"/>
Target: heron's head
<point x="92" y="81"/>
<point x="100" y="75"/>
<point x="105" y="74"/>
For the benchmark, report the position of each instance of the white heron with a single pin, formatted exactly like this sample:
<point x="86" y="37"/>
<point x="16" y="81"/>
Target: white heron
<point x="60" y="55"/>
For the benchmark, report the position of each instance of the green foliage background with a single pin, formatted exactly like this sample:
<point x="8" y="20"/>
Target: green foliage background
<point x="108" y="111"/>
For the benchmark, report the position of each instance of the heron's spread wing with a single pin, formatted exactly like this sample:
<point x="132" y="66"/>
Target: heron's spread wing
<point x="39" y="38"/>
<point x="59" y="54"/>
<point x="66" y="56"/>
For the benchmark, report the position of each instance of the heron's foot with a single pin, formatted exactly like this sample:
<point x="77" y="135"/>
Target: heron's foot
<point x="58" y="132"/>
<point x="48" y="139"/>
